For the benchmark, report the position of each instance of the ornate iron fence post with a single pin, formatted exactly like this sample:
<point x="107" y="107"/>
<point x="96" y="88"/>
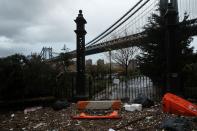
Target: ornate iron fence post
<point x="80" y="38"/>
<point x="171" y="20"/>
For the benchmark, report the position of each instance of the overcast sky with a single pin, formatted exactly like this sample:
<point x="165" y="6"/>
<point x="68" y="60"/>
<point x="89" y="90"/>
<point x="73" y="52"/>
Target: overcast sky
<point x="28" y="25"/>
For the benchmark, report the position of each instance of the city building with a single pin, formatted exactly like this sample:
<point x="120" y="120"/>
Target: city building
<point x="89" y="62"/>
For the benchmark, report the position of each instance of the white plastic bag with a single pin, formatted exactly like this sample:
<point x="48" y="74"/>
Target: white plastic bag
<point x="133" y="107"/>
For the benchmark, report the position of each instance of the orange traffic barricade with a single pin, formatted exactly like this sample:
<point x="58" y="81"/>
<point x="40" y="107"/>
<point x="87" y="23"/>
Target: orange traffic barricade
<point x="177" y="105"/>
<point x="98" y="105"/>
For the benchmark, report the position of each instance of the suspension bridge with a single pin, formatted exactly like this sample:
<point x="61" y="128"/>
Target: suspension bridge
<point x="129" y="30"/>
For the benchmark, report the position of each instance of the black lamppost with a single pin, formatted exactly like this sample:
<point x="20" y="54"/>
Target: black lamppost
<point x="80" y="38"/>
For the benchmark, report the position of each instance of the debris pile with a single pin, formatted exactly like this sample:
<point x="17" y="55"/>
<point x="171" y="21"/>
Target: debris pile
<point x="46" y="118"/>
<point x="144" y="100"/>
<point x="176" y="124"/>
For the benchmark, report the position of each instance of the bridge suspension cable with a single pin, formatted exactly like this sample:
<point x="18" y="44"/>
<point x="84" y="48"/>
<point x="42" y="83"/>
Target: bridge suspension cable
<point x="189" y="7"/>
<point x="143" y="15"/>
<point x="121" y="22"/>
<point x="136" y="23"/>
<point x="139" y="18"/>
<point x="115" y="22"/>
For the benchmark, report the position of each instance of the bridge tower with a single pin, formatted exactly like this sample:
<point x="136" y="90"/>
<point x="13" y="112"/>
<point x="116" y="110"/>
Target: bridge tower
<point x="171" y="23"/>
<point x="80" y="38"/>
<point x="46" y="53"/>
<point x="164" y="6"/>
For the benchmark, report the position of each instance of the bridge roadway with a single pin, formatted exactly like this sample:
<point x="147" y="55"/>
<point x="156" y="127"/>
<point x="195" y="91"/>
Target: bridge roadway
<point x="124" y="42"/>
<point x="131" y="40"/>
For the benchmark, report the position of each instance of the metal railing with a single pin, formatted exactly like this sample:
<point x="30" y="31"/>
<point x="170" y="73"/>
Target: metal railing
<point x="123" y="88"/>
<point x="119" y="87"/>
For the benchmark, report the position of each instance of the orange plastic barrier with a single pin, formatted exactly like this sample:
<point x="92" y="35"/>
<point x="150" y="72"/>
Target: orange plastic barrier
<point x="99" y="105"/>
<point x="113" y="115"/>
<point x="177" y="105"/>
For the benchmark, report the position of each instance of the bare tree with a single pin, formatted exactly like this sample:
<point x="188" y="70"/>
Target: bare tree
<point x="124" y="56"/>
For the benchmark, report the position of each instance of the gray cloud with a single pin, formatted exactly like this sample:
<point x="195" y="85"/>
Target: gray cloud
<point x="28" y="25"/>
<point x="18" y="14"/>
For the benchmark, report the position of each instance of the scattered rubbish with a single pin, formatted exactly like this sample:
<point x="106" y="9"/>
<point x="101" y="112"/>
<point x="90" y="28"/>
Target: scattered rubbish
<point x="77" y="124"/>
<point x="32" y="109"/>
<point x="134" y="120"/>
<point x="38" y="125"/>
<point x="54" y="130"/>
<point x="176" y="124"/>
<point x="11" y="129"/>
<point x="151" y="110"/>
<point x="148" y="118"/>
<point x="118" y="124"/>
<point x="133" y="107"/>
<point x="70" y="124"/>
<point x="177" y="105"/>
<point x="12" y="115"/>
<point x="130" y="129"/>
<point x="110" y="129"/>
<point x="60" y="104"/>
<point x="145" y="101"/>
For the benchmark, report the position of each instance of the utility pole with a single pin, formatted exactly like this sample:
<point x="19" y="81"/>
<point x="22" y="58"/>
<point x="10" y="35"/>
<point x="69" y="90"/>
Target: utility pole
<point x="80" y="38"/>
<point x="110" y="77"/>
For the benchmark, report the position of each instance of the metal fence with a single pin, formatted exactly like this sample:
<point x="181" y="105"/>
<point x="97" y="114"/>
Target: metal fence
<point x="104" y="88"/>
<point x="101" y="88"/>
